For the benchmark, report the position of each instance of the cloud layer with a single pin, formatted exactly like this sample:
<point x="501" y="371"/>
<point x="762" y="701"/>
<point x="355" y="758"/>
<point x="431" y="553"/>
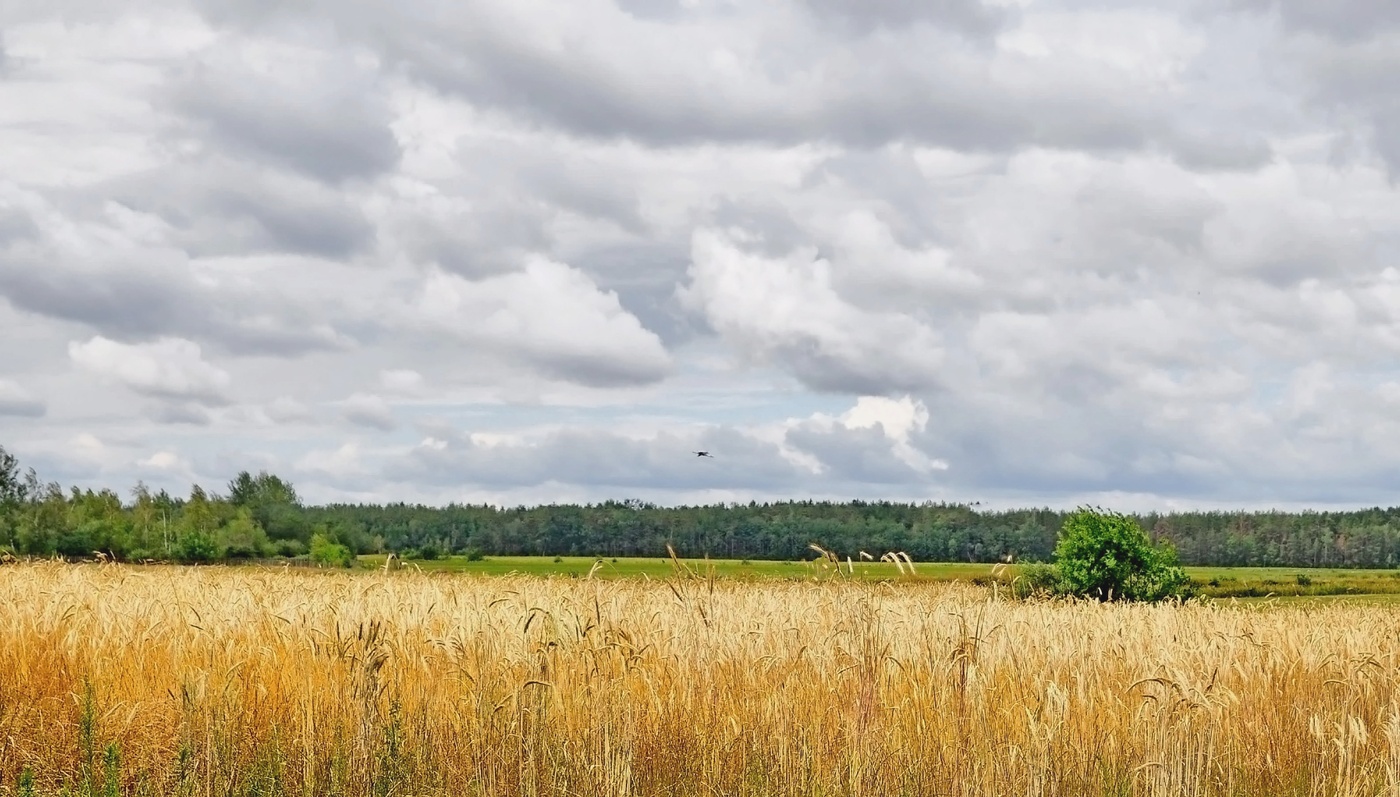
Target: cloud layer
<point x="1015" y="251"/>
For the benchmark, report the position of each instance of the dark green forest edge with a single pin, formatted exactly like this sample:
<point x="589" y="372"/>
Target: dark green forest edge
<point x="261" y="517"/>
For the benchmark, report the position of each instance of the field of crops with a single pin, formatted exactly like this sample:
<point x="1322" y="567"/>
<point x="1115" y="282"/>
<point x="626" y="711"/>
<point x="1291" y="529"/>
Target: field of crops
<point x="163" y="680"/>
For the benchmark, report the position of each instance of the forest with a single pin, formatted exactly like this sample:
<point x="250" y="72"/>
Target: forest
<point x="260" y="516"/>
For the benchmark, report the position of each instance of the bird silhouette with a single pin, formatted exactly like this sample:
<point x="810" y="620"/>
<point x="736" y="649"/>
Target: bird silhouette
<point x="704" y="454"/>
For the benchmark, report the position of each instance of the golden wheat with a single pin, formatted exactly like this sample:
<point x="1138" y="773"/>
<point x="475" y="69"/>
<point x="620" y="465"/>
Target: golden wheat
<point x="220" y="681"/>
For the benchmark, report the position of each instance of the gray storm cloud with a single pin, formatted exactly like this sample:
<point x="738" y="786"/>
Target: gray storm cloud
<point x="1035" y="252"/>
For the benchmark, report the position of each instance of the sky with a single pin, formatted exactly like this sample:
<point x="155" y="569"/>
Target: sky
<point x="1144" y="255"/>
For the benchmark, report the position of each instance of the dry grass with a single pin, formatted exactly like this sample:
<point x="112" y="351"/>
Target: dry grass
<point x="219" y="682"/>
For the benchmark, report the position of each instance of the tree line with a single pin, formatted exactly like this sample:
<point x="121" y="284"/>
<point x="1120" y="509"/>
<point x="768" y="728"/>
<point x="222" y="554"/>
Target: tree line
<point x="261" y="516"/>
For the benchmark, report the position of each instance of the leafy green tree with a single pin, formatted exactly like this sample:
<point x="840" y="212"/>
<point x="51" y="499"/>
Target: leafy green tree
<point x="44" y="521"/>
<point x="244" y="538"/>
<point x="327" y="552"/>
<point x="148" y="522"/>
<point x="274" y="504"/>
<point x="96" y="522"/>
<point x="197" y="538"/>
<point x="12" y="495"/>
<point x="195" y="545"/>
<point x="199" y="513"/>
<point x="12" y="486"/>
<point x="264" y="488"/>
<point x="1107" y="556"/>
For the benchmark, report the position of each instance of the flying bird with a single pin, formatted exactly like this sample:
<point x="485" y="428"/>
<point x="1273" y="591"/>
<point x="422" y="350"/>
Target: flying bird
<point x="704" y="454"/>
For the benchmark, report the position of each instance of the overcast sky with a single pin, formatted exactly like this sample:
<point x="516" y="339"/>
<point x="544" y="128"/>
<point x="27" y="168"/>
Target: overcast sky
<point x="1021" y="252"/>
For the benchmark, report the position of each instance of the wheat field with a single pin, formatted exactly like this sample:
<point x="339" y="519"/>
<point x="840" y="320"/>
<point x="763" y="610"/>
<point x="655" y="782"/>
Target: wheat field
<point x="120" y="680"/>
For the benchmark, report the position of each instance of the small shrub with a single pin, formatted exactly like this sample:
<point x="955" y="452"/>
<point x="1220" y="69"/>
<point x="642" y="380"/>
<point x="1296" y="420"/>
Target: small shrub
<point x="290" y="548"/>
<point x="194" y="546"/>
<point x="1107" y="556"/>
<point x="326" y="553"/>
<point x="1304" y="580"/>
<point x="245" y="539"/>
<point x="429" y="551"/>
<point x="1036" y="580"/>
<point x="26" y="783"/>
<point x="558" y="559"/>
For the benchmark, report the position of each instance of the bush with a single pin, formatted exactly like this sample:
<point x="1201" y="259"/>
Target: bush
<point x="474" y="555"/>
<point x="1107" y="556"/>
<point x="195" y="545"/>
<point x="328" y="553"/>
<point x="244" y="538"/>
<point x="429" y="551"/>
<point x="77" y="543"/>
<point x="1036" y="580"/>
<point x="289" y="548"/>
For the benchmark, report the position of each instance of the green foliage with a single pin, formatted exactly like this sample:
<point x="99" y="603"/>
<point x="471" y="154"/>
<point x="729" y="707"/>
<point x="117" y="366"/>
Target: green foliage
<point x="1107" y="556"/>
<point x="290" y="548"/>
<point x="12" y="495"/>
<point x="12" y="486"/>
<point x="263" y="515"/>
<point x="264" y="489"/>
<point x="328" y="553"/>
<point x="244" y="538"/>
<point x="111" y="771"/>
<point x="1037" y="579"/>
<point x="195" y="546"/>
<point x="80" y="541"/>
<point x="273" y="504"/>
<point x="391" y="772"/>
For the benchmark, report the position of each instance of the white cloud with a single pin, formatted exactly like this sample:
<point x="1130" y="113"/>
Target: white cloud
<point x="551" y="316"/>
<point x="344" y="462"/>
<point x="285" y="409"/>
<point x="88" y="445"/>
<point x="17" y="402"/>
<point x="1022" y="251"/>
<point x="167" y="462"/>
<point x="786" y="311"/>
<point x="168" y="367"/>
<point x="368" y="410"/>
<point x="404" y="381"/>
<point x="897" y="418"/>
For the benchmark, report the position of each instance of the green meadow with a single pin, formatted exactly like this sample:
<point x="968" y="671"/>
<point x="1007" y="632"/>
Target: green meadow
<point x="1244" y="583"/>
